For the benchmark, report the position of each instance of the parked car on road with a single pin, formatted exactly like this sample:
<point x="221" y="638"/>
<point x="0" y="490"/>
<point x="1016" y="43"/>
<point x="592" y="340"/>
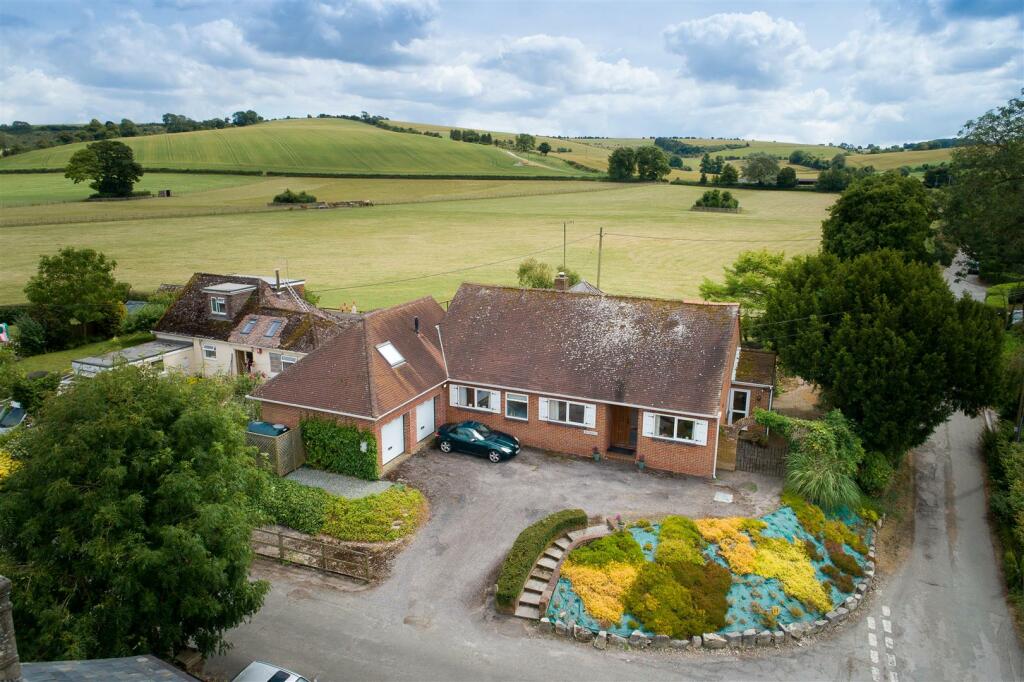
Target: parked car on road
<point x="258" y="671"/>
<point x="475" y="438"/>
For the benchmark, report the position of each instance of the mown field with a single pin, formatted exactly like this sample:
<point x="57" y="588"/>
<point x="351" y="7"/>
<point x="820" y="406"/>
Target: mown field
<point x="197" y="194"/>
<point x="309" y="146"/>
<point x="654" y="245"/>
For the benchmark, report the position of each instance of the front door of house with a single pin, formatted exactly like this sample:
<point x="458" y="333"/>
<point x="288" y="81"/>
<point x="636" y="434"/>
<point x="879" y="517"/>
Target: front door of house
<point x="623" y="427"/>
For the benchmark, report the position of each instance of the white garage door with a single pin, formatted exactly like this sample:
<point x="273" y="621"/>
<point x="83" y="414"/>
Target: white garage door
<point x="424" y="420"/>
<point x="392" y="436"/>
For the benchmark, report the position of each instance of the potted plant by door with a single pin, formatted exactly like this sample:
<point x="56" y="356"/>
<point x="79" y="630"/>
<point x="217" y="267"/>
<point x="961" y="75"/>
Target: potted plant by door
<point x="640" y="464"/>
<point x="597" y="455"/>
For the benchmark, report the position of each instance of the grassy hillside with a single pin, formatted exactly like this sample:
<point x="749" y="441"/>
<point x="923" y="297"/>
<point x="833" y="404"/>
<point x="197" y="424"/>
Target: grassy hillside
<point x="310" y="146"/>
<point x="366" y="246"/>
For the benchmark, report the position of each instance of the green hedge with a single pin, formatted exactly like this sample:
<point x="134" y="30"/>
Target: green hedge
<point x="525" y="550"/>
<point x="298" y="506"/>
<point x="338" y="448"/>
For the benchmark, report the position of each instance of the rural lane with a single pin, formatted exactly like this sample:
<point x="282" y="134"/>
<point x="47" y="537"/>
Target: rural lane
<point x="940" y="616"/>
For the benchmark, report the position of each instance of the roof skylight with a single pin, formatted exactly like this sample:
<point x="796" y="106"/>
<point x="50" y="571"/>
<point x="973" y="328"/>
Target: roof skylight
<point x="250" y="324"/>
<point x="390" y="354"/>
<point x="272" y="329"/>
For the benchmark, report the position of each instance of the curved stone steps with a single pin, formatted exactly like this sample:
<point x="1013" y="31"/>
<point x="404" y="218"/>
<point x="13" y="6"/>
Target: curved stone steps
<point x="532" y="600"/>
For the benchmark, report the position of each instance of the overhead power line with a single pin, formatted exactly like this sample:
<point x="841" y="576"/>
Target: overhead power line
<point x="700" y="239"/>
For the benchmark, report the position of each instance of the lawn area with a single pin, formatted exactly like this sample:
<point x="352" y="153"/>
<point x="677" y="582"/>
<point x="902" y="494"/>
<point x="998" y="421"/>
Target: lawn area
<point x="351" y="252"/>
<point x="249" y="194"/>
<point x="305" y="146"/>
<point x="47" y="188"/>
<point x="60" y="361"/>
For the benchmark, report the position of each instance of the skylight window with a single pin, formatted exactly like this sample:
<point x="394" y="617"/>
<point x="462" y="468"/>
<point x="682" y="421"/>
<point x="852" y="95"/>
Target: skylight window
<point x="391" y="354"/>
<point x="250" y="324"/>
<point x="272" y="329"/>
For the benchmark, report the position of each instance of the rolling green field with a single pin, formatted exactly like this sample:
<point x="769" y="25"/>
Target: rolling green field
<point x="391" y="253"/>
<point x="310" y="146"/>
<point x="196" y="195"/>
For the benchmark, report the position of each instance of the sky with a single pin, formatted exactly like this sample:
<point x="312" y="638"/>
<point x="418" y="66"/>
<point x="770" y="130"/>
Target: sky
<point x="824" y="71"/>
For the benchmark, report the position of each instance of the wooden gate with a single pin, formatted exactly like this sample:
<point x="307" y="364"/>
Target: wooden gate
<point x="760" y="460"/>
<point x="305" y="550"/>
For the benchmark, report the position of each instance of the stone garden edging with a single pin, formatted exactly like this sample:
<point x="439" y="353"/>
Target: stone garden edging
<point x="748" y="639"/>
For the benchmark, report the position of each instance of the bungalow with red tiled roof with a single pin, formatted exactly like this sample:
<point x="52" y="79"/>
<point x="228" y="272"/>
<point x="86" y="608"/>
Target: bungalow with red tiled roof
<point x="646" y="379"/>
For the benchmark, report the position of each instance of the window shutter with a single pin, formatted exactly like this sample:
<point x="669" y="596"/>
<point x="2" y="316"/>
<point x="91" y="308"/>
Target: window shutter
<point x="700" y="431"/>
<point x="453" y="395"/>
<point x="649" y="418"/>
<point x="590" y="416"/>
<point x="495" y="402"/>
<point x="542" y="410"/>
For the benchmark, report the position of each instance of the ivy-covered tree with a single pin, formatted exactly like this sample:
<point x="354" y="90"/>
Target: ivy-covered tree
<point x="885" y="211"/>
<point x="126" y="528"/>
<point x="886" y="341"/>
<point x="984" y="201"/>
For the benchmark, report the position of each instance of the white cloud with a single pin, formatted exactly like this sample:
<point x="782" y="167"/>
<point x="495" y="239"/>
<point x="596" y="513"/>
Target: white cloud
<point x="752" y="50"/>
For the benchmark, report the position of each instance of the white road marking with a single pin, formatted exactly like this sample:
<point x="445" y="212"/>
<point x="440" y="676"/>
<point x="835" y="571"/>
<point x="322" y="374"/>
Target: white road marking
<point x="885" y="611"/>
<point x="872" y="639"/>
<point x="874" y="656"/>
<point x="890" y="660"/>
<point x="893" y="677"/>
<point x="876" y="675"/>
<point x="871" y="622"/>
<point x="887" y="626"/>
<point x="889" y="643"/>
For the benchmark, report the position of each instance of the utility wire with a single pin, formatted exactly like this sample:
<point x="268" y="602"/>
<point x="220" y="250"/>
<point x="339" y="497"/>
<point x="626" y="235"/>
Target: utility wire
<point x="697" y="239"/>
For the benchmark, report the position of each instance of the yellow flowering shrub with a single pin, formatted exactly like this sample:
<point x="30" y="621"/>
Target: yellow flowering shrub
<point x="730" y="534"/>
<point x="601" y="587"/>
<point x="7" y="464"/>
<point x="839" y="533"/>
<point x="789" y="564"/>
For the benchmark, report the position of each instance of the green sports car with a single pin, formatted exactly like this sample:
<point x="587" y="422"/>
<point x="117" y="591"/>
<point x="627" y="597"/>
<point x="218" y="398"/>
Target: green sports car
<point x="476" y="439"/>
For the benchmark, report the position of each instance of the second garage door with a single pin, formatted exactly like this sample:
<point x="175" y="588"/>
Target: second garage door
<point x="392" y="437"/>
<point x="425" y="419"/>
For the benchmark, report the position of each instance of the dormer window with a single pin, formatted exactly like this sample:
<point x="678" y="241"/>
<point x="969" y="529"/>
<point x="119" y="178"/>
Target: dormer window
<point x="272" y="329"/>
<point x="390" y="354"/>
<point x="218" y="305"/>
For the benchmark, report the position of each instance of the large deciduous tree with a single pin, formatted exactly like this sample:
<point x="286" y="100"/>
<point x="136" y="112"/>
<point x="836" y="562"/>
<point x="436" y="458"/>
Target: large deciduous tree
<point x="885" y="211"/>
<point x="748" y="281"/>
<point x="761" y="168"/>
<point x="984" y="207"/>
<point x="622" y="163"/>
<point x="74" y="295"/>
<point x="651" y="163"/>
<point x="109" y="164"/>
<point x="126" y="528"/>
<point x="886" y="342"/>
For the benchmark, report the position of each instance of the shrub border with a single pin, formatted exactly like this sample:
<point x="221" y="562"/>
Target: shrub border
<point x="525" y="551"/>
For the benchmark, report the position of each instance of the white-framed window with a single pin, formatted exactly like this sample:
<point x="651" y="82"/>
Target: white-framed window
<point x="279" y="362"/>
<point x="475" y="398"/>
<point x="517" y="406"/>
<point x="218" y="305"/>
<point x="739" y="404"/>
<point x="671" y="427"/>
<point x="209" y="351"/>
<point x="390" y="353"/>
<point x="567" y="412"/>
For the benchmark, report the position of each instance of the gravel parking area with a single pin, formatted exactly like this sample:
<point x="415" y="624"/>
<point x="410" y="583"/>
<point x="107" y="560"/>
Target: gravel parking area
<point x="345" y="486"/>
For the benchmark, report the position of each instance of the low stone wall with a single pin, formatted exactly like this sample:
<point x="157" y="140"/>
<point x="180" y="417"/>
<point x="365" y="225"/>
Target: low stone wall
<point x="748" y="639"/>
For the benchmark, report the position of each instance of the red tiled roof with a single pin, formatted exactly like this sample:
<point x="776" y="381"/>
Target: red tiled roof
<point x="656" y="353"/>
<point x="348" y="374"/>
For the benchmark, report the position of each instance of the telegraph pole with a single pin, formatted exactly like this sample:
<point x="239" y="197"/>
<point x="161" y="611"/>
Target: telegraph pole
<point x="600" y="245"/>
<point x="564" y="266"/>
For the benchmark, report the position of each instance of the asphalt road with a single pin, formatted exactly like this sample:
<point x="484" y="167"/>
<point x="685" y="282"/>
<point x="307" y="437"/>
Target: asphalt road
<point x="940" y="616"/>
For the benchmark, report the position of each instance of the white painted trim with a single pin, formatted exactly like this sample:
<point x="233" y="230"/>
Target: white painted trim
<point x="577" y="398"/>
<point x="750" y="383"/>
<point x="440" y="342"/>
<point x="729" y="410"/>
<point x="517" y="398"/>
<point x="313" y="409"/>
<point x="714" y="458"/>
<point x="583" y="423"/>
<point x="675" y="428"/>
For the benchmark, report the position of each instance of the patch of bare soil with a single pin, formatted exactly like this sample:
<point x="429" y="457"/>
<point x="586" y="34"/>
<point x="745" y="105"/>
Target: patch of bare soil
<point x="896" y="537"/>
<point x="797" y="398"/>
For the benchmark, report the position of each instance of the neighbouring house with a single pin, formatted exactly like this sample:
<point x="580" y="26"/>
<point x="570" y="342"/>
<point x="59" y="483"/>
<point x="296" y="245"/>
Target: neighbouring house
<point x="383" y="371"/>
<point x="156" y="354"/>
<point x="242" y="324"/>
<point x="646" y="379"/>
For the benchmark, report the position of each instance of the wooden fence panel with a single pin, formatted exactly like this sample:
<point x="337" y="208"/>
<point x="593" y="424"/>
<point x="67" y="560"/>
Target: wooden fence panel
<point x="756" y="459"/>
<point x="305" y="550"/>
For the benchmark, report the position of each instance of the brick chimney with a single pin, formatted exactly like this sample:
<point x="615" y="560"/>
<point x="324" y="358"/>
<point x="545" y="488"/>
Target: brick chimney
<point x="561" y="282"/>
<point x="10" y="667"/>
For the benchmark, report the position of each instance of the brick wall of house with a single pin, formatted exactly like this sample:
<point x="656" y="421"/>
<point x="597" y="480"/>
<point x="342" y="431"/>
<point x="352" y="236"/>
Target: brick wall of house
<point x="681" y="458"/>
<point x="573" y="440"/>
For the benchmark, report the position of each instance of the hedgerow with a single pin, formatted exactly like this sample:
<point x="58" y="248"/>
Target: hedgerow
<point x="340" y="448"/>
<point x="295" y="505"/>
<point x="525" y="550"/>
